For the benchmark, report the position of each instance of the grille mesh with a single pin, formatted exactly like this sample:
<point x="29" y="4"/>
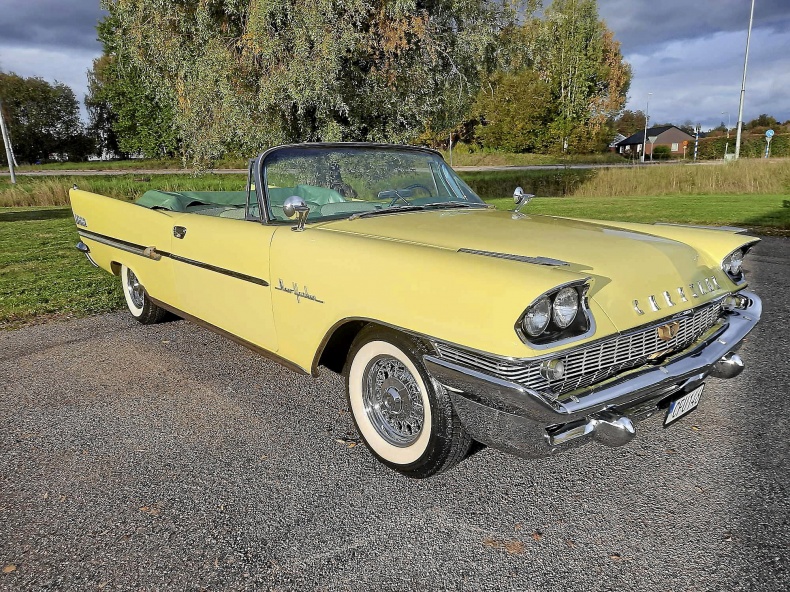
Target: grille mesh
<point x="587" y="365"/>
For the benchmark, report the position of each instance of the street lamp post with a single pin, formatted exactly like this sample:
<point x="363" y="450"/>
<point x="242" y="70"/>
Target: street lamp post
<point x="647" y="117"/>
<point x="727" y="145"/>
<point x="743" y="85"/>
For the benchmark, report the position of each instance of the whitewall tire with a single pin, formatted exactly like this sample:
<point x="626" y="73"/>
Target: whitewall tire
<point x="403" y="416"/>
<point x="137" y="300"/>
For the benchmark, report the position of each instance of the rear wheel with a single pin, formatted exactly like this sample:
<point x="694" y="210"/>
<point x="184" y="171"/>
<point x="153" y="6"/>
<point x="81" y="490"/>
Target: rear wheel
<point x="405" y="418"/>
<point x="137" y="299"/>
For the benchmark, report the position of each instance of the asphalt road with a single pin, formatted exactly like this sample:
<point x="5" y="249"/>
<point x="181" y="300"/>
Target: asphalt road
<point x="167" y="458"/>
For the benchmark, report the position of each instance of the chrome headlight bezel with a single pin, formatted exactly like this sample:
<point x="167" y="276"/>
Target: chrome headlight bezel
<point x="582" y="324"/>
<point x="730" y="265"/>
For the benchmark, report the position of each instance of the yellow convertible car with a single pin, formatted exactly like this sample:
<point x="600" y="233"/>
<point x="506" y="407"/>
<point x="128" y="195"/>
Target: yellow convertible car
<point x="452" y="322"/>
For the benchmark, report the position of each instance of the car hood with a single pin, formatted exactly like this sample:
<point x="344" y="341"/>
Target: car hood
<point x="626" y="265"/>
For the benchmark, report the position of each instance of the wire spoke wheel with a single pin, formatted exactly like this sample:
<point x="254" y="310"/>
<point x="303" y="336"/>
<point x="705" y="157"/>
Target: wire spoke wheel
<point x="135" y="289"/>
<point x="405" y="418"/>
<point x="393" y="401"/>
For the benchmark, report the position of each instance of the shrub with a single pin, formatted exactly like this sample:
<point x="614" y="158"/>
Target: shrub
<point x="662" y="153"/>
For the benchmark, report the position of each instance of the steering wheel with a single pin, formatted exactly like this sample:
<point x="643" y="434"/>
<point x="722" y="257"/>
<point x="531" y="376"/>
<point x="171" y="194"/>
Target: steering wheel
<point x="414" y="186"/>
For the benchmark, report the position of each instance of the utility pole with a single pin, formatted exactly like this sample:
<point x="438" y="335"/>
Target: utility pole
<point x="9" y="152"/>
<point x="743" y="86"/>
<point x="647" y="117"/>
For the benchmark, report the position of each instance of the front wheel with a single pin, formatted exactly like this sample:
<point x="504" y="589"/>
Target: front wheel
<point x="404" y="417"/>
<point x="137" y="299"/>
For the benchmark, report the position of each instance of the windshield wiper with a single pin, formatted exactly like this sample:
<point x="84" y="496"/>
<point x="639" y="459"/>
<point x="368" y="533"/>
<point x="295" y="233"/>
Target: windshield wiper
<point x="441" y="205"/>
<point x="387" y="210"/>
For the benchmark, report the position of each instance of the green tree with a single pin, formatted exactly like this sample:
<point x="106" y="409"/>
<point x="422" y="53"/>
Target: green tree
<point x="43" y="119"/>
<point x="240" y="75"/>
<point x="762" y="121"/>
<point x="127" y="113"/>
<point x="581" y="60"/>
<point x="515" y="112"/>
<point x="629" y="122"/>
<point x="101" y="117"/>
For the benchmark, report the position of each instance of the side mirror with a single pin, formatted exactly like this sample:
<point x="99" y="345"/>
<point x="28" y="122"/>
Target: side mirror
<point x="520" y="198"/>
<point x="295" y="207"/>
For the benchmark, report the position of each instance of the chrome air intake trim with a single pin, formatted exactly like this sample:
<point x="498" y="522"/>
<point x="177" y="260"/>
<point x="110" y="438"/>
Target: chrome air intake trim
<point x="522" y="258"/>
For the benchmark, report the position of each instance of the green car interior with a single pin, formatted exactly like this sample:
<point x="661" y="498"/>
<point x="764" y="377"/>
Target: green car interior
<point x="333" y="182"/>
<point x="230" y="204"/>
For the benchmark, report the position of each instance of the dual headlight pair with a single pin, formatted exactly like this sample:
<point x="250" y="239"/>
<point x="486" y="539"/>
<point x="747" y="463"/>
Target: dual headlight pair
<point x="555" y="315"/>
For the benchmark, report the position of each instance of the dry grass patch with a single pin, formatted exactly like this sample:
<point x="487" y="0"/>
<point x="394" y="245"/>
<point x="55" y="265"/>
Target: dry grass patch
<point x="54" y="191"/>
<point x="742" y="177"/>
<point x="46" y="192"/>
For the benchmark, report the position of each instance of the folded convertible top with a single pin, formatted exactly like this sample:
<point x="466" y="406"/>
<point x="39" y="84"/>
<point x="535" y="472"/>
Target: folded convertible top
<point x="179" y="201"/>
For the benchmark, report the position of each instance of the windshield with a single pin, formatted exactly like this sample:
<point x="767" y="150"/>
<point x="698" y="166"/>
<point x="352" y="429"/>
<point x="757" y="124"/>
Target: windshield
<point x="341" y="182"/>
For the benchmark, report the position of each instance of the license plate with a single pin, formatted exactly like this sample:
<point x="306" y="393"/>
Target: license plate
<point x="685" y="404"/>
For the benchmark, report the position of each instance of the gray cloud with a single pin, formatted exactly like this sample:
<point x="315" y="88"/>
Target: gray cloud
<point x="697" y="79"/>
<point x="50" y="24"/>
<point x="689" y="54"/>
<point x="639" y="25"/>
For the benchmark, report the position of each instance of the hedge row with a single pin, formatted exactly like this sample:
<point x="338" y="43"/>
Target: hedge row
<point x="751" y="146"/>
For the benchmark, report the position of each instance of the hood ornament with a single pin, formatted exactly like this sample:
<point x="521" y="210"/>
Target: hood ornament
<point x="521" y="199"/>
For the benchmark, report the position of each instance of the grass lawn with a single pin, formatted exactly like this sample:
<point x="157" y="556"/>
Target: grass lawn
<point x="43" y="276"/>
<point x="769" y="214"/>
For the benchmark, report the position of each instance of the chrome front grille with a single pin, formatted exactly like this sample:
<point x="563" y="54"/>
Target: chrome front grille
<point x="589" y="364"/>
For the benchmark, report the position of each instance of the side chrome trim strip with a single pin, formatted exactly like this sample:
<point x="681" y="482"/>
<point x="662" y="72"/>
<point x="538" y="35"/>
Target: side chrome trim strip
<point x="112" y="242"/>
<point x="222" y="270"/>
<point x="149" y="252"/>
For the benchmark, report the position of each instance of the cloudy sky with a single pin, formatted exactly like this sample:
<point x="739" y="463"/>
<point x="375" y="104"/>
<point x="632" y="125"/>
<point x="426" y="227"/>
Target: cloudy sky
<point x="688" y="53"/>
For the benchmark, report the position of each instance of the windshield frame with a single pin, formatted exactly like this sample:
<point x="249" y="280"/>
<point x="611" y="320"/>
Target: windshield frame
<point x="261" y="180"/>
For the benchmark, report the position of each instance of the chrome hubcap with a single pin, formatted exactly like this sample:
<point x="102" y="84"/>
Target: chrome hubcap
<point x="393" y="401"/>
<point x="135" y="289"/>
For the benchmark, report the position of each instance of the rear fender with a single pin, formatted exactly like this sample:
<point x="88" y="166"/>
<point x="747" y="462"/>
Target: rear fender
<point x="118" y="233"/>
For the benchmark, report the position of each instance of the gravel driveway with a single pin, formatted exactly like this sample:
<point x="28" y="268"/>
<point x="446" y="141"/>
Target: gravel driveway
<point x="168" y="458"/>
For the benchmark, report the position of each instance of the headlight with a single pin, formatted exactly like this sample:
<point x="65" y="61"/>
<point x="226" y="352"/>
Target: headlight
<point x="732" y="263"/>
<point x="565" y="307"/>
<point x="557" y="316"/>
<point x="537" y="317"/>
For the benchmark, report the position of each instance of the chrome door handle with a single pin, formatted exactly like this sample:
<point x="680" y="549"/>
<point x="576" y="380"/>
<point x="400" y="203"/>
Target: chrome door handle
<point x="179" y="231"/>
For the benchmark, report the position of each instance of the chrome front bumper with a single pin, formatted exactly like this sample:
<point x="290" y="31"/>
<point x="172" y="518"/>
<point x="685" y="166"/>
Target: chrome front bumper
<point x="519" y="420"/>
